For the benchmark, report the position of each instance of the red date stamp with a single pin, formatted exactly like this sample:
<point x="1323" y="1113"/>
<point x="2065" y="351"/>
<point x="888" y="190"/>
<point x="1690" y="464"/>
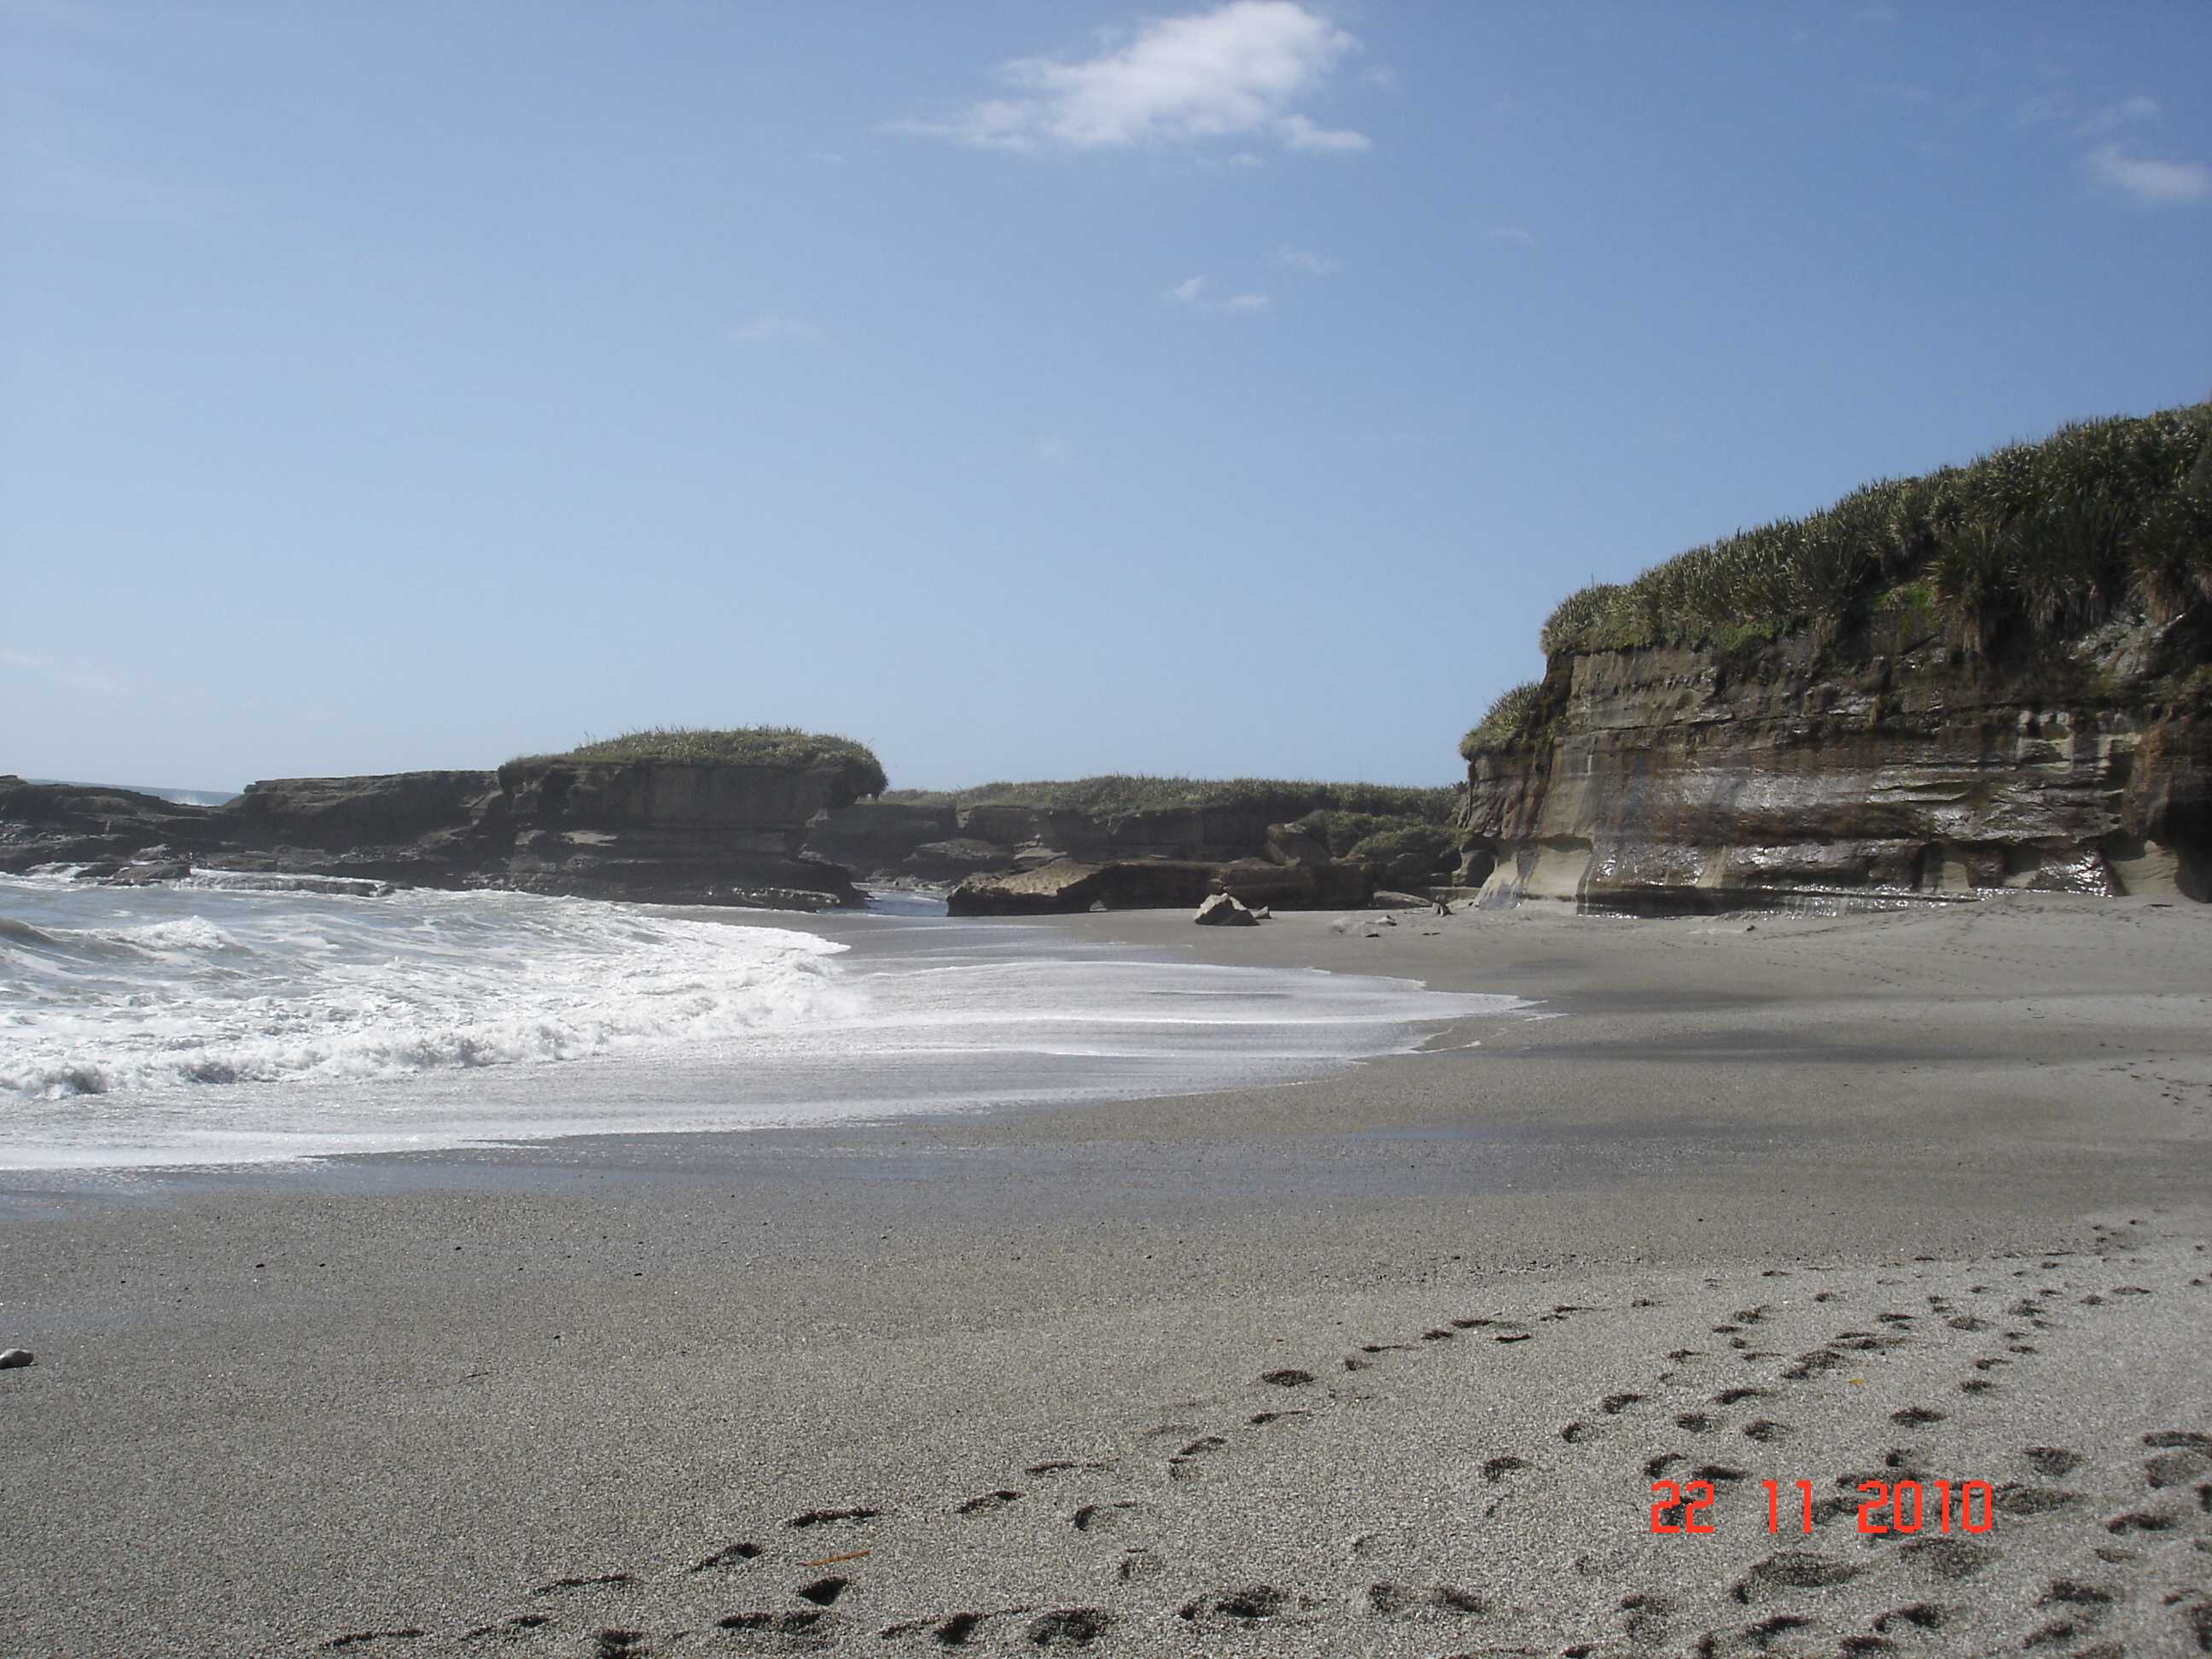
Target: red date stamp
<point x="1903" y="1506"/>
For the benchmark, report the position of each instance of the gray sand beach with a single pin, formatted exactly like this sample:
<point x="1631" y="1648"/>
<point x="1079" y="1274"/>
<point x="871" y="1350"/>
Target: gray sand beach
<point x="1383" y="1363"/>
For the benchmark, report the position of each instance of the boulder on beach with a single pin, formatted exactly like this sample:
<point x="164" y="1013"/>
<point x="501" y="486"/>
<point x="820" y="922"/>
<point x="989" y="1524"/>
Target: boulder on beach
<point x="11" y="1357"/>
<point x="1224" y="911"/>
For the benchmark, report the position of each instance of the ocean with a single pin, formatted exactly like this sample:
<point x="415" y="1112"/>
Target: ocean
<point x="240" y="1019"/>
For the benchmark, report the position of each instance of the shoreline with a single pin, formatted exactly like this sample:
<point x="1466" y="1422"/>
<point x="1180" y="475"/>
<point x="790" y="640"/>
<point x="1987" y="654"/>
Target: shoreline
<point x="265" y="1420"/>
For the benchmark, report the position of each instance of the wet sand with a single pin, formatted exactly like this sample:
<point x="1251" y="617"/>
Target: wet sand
<point x="1383" y="1363"/>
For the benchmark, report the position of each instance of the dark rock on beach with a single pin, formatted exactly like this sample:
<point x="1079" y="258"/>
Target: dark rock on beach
<point x="1065" y="885"/>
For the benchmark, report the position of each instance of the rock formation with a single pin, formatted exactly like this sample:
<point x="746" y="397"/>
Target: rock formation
<point x="1897" y="762"/>
<point x="1071" y="885"/>
<point x="627" y="829"/>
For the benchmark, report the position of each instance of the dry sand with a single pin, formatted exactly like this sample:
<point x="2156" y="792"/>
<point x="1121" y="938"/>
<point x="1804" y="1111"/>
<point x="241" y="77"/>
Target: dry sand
<point x="1382" y="1364"/>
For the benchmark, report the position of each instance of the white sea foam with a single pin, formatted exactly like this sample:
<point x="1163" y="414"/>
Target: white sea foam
<point x="174" y="988"/>
<point x="209" y="1022"/>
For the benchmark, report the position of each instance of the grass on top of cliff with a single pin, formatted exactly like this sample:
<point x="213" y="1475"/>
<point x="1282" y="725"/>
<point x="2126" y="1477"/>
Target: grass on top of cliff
<point x="1119" y="794"/>
<point x="2040" y="540"/>
<point x="740" y="745"/>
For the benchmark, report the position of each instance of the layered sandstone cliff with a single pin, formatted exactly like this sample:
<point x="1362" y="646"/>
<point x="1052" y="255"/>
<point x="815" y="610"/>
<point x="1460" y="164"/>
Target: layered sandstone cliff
<point x="1894" y="763"/>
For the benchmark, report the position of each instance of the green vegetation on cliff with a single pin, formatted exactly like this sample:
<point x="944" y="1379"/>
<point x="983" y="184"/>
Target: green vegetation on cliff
<point x="2043" y="539"/>
<point x="1117" y="795"/>
<point x="743" y="745"/>
<point x="1508" y="724"/>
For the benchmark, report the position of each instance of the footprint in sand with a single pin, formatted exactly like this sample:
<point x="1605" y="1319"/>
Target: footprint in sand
<point x="807" y="1518"/>
<point x="2053" y="1461"/>
<point x="360" y="1639"/>
<point x="1247" y="1605"/>
<point x="1105" y="1517"/>
<point x="729" y="1555"/>
<point x="559" y="1585"/>
<point x="1949" y="1558"/>
<point x="1388" y="1599"/>
<point x="1069" y="1627"/>
<point x="1793" y="1569"/>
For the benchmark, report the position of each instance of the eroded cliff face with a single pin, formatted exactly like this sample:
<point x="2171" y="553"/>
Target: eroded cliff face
<point x="1672" y="779"/>
<point x="938" y="842"/>
<point x="646" y="830"/>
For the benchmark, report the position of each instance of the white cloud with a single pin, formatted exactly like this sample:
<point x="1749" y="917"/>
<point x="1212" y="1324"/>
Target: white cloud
<point x="1305" y="259"/>
<point x="2137" y="108"/>
<point x="1299" y="133"/>
<point x="2142" y="178"/>
<point x="1511" y="233"/>
<point x="1234" y="72"/>
<point x="1055" y="451"/>
<point x="770" y="328"/>
<point x="1191" y="293"/>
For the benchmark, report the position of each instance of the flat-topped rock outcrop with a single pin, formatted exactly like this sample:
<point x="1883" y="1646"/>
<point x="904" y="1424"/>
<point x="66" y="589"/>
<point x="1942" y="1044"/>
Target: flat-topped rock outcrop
<point x="663" y="831"/>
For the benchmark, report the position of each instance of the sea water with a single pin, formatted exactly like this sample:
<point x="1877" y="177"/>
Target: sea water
<point x="237" y="1020"/>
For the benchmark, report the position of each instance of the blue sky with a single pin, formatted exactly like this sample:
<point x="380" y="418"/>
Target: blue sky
<point x="1028" y="390"/>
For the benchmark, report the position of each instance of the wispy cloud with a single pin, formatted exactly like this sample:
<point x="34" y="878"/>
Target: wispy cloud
<point x="1305" y="259"/>
<point x="77" y="675"/>
<point x="1511" y="233"/>
<point x="772" y="328"/>
<point x="2147" y="180"/>
<point x="2105" y="119"/>
<point x="1192" y="292"/>
<point x="1238" y="71"/>
<point x="1055" y="451"/>
<point x="1300" y="133"/>
<point x="2056" y="106"/>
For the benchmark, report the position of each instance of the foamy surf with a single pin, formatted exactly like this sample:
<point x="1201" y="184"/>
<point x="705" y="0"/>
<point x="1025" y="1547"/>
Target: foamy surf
<point x="210" y="1023"/>
<point x="152" y="990"/>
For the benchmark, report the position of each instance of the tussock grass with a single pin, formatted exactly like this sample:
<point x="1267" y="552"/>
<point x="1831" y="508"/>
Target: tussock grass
<point x="2046" y="538"/>
<point x="743" y="745"/>
<point x="1509" y="722"/>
